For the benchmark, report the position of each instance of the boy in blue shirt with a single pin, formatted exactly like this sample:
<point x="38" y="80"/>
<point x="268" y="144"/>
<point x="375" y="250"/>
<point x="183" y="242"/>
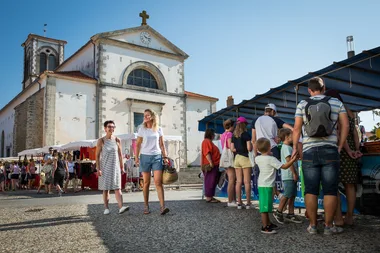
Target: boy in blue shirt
<point x="289" y="180"/>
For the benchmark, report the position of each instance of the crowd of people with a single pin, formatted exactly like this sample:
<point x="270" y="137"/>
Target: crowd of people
<point x="323" y="140"/>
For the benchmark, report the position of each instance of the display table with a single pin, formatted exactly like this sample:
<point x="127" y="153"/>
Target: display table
<point x="90" y="181"/>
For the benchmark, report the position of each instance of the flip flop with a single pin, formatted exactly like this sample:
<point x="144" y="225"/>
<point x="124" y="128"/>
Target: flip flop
<point x="164" y="210"/>
<point x="213" y="200"/>
<point x="146" y="210"/>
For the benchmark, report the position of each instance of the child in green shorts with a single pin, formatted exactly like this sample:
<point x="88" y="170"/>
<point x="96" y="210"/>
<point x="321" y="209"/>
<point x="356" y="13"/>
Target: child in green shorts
<point x="268" y="166"/>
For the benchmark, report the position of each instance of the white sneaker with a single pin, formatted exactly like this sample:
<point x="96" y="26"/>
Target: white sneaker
<point x="239" y="206"/>
<point x="231" y="204"/>
<point x="248" y="206"/>
<point x="123" y="209"/>
<point x="107" y="211"/>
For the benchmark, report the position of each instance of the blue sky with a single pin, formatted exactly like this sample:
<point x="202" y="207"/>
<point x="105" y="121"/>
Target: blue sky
<point x="240" y="48"/>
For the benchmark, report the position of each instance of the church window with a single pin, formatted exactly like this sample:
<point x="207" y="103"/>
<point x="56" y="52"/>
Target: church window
<point x="52" y="64"/>
<point x="142" y="78"/>
<point x="138" y="119"/>
<point x="43" y="62"/>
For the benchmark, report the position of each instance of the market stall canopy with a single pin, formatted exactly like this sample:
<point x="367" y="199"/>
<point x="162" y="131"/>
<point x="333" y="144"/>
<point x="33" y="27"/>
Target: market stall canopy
<point x="76" y="145"/>
<point x="357" y="79"/>
<point x="29" y="152"/>
<point x="45" y="149"/>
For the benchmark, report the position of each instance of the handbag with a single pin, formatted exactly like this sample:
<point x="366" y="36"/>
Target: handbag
<point x="170" y="174"/>
<point x="227" y="157"/>
<point x="206" y="167"/>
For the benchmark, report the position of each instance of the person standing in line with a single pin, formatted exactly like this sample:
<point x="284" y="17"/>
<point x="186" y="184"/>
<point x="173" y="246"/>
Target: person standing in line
<point x="226" y="139"/>
<point x="319" y="115"/>
<point x="289" y="180"/>
<point x="349" y="167"/>
<point x="48" y="170"/>
<point x="241" y="145"/>
<point x="268" y="165"/>
<point x="109" y="165"/>
<point x="72" y="173"/>
<point x="267" y="126"/>
<point x="15" y="175"/>
<point x="59" y="173"/>
<point x="210" y="165"/>
<point x="150" y="152"/>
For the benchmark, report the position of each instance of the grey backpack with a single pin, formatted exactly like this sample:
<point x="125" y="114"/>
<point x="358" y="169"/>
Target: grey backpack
<point x="318" y="115"/>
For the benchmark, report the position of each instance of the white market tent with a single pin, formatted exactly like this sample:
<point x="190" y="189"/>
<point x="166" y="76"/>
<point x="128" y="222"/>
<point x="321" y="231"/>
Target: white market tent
<point x="29" y="152"/>
<point x="76" y="145"/>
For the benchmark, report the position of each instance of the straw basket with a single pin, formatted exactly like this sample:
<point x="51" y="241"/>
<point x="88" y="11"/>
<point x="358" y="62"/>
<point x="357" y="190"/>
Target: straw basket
<point x="372" y="147"/>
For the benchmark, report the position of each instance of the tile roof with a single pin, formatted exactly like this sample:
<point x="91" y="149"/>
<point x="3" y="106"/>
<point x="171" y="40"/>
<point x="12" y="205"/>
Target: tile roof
<point x="73" y="74"/>
<point x="200" y="96"/>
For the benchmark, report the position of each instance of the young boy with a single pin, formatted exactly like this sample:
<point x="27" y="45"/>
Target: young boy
<point x="289" y="179"/>
<point x="268" y="165"/>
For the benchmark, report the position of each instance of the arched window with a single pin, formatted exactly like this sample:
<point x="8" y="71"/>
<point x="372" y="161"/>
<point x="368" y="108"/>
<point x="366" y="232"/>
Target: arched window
<point x="43" y="62"/>
<point x="52" y="64"/>
<point x="142" y="78"/>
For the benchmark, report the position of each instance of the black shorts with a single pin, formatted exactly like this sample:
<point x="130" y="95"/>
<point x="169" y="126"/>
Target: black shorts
<point x="72" y="176"/>
<point x="58" y="179"/>
<point x="15" y="176"/>
<point x="31" y="176"/>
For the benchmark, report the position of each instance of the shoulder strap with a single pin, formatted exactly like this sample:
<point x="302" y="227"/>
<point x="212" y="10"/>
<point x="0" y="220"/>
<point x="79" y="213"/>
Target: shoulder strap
<point x="326" y="99"/>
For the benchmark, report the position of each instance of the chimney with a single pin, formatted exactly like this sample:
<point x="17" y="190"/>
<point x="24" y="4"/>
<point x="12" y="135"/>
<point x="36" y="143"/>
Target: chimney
<point x="350" y="46"/>
<point x="230" y="101"/>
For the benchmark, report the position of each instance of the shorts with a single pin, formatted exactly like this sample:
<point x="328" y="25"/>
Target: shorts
<point x="15" y="176"/>
<point x="242" y="162"/>
<point x="58" y="179"/>
<point x="321" y="165"/>
<point x="290" y="188"/>
<point x="31" y="176"/>
<point x="150" y="163"/>
<point x="266" y="199"/>
<point x="72" y="176"/>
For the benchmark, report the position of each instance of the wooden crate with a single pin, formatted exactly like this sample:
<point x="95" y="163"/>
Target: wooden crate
<point x="372" y="147"/>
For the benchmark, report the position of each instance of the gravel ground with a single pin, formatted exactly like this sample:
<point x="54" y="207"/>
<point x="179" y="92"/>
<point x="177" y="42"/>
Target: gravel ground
<point x="76" y="224"/>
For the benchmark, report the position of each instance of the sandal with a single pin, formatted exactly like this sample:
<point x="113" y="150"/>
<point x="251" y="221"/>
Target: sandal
<point x="146" y="210"/>
<point x="164" y="210"/>
<point x="213" y="200"/>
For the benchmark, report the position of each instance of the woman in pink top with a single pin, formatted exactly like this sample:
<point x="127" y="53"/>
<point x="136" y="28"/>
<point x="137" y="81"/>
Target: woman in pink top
<point x="31" y="170"/>
<point x="225" y="138"/>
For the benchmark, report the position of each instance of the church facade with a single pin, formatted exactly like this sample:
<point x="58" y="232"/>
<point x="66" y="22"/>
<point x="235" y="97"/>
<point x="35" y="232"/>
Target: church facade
<point x="115" y="75"/>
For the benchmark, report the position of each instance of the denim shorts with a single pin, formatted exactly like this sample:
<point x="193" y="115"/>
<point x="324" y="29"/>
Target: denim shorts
<point x="150" y="162"/>
<point x="321" y="165"/>
<point x="290" y="188"/>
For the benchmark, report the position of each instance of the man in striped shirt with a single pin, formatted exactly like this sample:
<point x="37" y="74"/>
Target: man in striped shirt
<point x="321" y="161"/>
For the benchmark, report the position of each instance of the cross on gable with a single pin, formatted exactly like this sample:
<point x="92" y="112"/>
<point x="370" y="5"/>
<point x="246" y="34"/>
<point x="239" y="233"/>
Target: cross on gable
<point x="144" y="17"/>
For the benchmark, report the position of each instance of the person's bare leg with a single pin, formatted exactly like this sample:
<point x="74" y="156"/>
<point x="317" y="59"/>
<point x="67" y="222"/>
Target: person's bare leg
<point x="291" y="205"/>
<point x="351" y="198"/>
<point x="66" y="184"/>
<point x="311" y="202"/>
<point x="330" y="205"/>
<point x="231" y="184"/>
<point x="146" y="178"/>
<point x="282" y="204"/>
<point x="247" y="184"/>
<point x="239" y="182"/>
<point x="119" y="198"/>
<point x="338" y="213"/>
<point x="106" y="198"/>
<point x="265" y="219"/>
<point x="160" y="189"/>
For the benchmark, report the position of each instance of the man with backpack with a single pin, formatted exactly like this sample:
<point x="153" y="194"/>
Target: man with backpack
<point x="320" y="115"/>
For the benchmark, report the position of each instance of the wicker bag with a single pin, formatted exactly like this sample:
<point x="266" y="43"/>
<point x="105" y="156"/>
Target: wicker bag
<point x="170" y="174"/>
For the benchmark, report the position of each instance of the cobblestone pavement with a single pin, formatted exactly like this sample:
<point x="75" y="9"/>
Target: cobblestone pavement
<point x="75" y="223"/>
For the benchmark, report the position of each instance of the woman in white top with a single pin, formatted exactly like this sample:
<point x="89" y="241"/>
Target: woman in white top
<point x="149" y="154"/>
<point x="72" y="173"/>
<point x="15" y="170"/>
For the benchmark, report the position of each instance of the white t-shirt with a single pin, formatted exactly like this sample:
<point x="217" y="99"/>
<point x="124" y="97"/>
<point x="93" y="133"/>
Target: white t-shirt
<point x="267" y="127"/>
<point x="150" y="144"/>
<point x="268" y="166"/>
<point x="71" y="167"/>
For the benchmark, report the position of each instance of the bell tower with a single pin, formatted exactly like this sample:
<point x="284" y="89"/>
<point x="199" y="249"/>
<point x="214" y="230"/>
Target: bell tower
<point x="40" y="54"/>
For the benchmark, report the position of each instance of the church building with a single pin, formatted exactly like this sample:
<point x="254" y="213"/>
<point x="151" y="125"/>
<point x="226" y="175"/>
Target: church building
<point x="115" y="76"/>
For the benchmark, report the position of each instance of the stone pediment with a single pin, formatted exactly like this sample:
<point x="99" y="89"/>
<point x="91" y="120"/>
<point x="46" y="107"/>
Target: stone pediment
<point x="144" y="36"/>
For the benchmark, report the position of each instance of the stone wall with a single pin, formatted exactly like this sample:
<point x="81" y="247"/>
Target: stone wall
<point x="27" y="132"/>
<point x="50" y="97"/>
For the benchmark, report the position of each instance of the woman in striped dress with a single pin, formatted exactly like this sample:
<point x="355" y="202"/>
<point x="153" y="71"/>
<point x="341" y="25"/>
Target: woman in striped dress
<point x="109" y="164"/>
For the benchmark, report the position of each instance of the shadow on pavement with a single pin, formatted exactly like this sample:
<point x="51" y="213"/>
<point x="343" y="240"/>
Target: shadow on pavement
<point x="43" y="223"/>
<point x="196" y="226"/>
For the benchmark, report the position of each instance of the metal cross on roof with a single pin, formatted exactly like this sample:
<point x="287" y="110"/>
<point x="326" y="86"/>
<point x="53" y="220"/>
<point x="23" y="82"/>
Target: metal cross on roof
<point x="144" y="17"/>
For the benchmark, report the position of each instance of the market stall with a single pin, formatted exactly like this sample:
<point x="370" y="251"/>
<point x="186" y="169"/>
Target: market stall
<point x="357" y="79"/>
